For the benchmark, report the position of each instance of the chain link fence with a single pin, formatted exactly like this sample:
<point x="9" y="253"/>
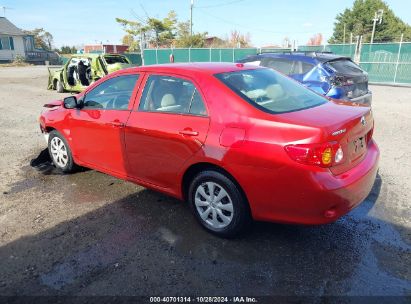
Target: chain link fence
<point x="158" y="56"/>
<point x="386" y="63"/>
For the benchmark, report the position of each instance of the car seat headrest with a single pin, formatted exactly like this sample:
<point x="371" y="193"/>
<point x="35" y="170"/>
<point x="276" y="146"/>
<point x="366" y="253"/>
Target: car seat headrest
<point x="168" y="100"/>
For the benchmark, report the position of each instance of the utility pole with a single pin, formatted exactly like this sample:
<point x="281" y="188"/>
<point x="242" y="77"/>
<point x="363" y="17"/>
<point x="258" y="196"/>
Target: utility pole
<point x="398" y="59"/>
<point x="4" y="10"/>
<point x="191" y="17"/>
<point x="142" y="46"/>
<point x="344" y="33"/>
<point x="377" y="17"/>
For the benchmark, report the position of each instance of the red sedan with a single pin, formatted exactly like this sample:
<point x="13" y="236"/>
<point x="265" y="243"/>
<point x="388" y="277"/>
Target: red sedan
<point x="237" y="142"/>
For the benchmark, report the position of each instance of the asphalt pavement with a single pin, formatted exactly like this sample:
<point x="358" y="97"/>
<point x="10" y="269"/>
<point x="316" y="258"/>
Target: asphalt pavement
<point x="92" y="234"/>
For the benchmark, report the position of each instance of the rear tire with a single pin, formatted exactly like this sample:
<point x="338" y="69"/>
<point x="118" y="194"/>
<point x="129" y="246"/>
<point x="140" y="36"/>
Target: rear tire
<point x="60" y="152"/>
<point x="59" y="87"/>
<point x="218" y="204"/>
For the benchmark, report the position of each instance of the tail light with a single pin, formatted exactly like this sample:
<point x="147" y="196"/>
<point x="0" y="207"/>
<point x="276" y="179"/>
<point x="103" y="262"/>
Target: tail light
<point x="340" y="81"/>
<point x="322" y="155"/>
<point x="369" y="134"/>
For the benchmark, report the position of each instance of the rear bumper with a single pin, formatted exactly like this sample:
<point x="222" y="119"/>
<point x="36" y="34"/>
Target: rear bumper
<point x="338" y="93"/>
<point x="309" y="197"/>
<point x="364" y="99"/>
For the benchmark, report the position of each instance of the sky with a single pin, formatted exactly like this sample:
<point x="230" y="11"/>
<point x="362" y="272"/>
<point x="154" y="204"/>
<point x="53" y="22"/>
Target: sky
<point x="76" y="22"/>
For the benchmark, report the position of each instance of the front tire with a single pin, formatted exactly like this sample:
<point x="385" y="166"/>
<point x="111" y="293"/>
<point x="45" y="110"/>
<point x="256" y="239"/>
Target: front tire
<point x="60" y="152"/>
<point x="59" y="87"/>
<point x="218" y="204"/>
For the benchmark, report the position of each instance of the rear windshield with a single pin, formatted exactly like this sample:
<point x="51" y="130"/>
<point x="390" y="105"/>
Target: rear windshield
<point x="270" y="91"/>
<point x="345" y="66"/>
<point x="115" y="59"/>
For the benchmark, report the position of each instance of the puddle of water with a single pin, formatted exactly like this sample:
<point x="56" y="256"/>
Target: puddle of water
<point x="96" y="257"/>
<point x="83" y="186"/>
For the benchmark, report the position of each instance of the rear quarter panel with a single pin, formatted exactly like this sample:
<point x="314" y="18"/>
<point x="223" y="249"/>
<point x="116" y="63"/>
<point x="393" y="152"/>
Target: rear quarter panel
<point x="262" y="145"/>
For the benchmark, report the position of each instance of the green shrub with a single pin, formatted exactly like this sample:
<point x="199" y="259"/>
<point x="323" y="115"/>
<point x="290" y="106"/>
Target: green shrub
<point x="19" y="60"/>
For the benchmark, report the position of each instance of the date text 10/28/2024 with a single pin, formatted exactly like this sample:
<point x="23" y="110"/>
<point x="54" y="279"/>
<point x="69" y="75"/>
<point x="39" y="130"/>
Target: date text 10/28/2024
<point x="203" y="300"/>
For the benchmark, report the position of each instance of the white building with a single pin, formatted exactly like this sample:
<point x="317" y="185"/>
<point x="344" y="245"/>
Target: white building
<point x="12" y="41"/>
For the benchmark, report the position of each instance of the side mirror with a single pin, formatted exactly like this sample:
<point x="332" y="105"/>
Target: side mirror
<point x="71" y="102"/>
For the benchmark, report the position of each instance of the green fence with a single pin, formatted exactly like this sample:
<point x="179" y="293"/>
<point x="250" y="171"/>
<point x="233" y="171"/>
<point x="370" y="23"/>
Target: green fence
<point x="387" y="62"/>
<point x="384" y="62"/>
<point x="347" y="50"/>
<point x="135" y="58"/>
<point x="158" y="56"/>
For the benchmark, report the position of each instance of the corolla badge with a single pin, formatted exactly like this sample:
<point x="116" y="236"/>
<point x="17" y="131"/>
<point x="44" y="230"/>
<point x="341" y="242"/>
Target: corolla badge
<point x="363" y="121"/>
<point x="339" y="132"/>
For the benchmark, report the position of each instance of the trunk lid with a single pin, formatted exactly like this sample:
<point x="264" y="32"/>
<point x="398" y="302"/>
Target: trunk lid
<point x="350" y="126"/>
<point x="349" y="76"/>
<point x="354" y="141"/>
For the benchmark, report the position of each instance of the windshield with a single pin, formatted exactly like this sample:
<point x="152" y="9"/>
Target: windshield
<point x="271" y="91"/>
<point x="115" y="59"/>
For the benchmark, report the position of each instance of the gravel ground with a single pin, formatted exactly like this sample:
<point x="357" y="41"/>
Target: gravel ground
<point x="92" y="234"/>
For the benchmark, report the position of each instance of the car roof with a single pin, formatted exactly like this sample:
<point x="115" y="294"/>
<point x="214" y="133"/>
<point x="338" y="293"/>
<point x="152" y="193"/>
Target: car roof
<point x="210" y="68"/>
<point x="92" y="55"/>
<point x="310" y="57"/>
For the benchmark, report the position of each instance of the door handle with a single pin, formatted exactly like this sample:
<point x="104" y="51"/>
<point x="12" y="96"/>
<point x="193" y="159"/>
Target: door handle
<point x="117" y="124"/>
<point x="189" y="133"/>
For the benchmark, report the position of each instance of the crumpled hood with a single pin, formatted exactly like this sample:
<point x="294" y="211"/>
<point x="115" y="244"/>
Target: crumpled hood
<point x="54" y="103"/>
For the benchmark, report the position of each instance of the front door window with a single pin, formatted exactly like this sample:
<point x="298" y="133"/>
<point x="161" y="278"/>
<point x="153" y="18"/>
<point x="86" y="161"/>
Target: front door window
<point x="113" y="94"/>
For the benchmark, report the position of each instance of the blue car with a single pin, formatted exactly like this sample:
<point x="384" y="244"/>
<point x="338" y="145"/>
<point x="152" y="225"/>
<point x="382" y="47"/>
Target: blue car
<point x="328" y="74"/>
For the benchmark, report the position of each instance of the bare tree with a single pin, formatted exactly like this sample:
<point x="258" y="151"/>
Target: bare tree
<point x="317" y="39"/>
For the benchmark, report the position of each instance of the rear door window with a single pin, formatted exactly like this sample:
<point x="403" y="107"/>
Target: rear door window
<point x="300" y="67"/>
<point x="282" y="65"/>
<point x="169" y="94"/>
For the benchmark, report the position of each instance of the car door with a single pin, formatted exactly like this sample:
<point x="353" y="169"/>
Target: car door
<point x="168" y="128"/>
<point x="101" y="70"/>
<point x="98" y="128"/>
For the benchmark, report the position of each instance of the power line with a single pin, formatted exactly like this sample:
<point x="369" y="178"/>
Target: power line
<point x="137" y="17"/>
<point x="250" y="28"/>
<point x="222" y="4"/>
<point x="144" y="10"/>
